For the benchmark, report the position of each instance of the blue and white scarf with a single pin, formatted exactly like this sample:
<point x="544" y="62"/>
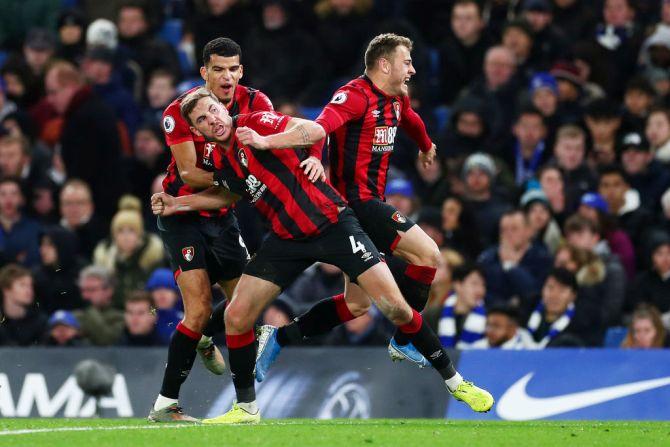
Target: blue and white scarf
<point x="473" y="327"/>
<point x="556" y="327"/>
<point x="526" y="169"/>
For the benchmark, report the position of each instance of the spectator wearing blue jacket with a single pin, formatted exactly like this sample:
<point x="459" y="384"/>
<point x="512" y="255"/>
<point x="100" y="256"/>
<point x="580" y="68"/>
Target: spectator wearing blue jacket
<point x="19" y="235"/>
<point x="515" y="269"/>
<point x="165" y="297"/>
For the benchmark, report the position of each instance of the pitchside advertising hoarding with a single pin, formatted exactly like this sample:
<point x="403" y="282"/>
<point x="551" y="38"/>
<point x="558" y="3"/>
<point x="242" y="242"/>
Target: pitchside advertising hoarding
<point x="354" y="383"/>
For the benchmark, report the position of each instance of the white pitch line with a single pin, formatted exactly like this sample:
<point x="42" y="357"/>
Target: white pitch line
<point x="30" y="431"/>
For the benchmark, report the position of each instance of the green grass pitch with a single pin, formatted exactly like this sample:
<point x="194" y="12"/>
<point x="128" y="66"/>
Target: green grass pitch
<point x="307" y="432"/>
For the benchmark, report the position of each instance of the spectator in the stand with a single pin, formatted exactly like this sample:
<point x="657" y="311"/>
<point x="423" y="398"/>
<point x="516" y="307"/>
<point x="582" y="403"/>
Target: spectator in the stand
<point x="233" y="16"/>
<point x="431" y="184"/>
<point x="571" y="90"/>
<point x="587" y="266"/>
<point x="515" y="268"/>
<point x="320" y="281"/>
<point x="460" y="228"/>
<point x="56" y="275"/>
<point x="400" y="194"/>
<point x="129" y="253"/>
<point x="503" y="331"/>
<point x="462" y="52"/>
<point x="16" y="161"/>
<point x="623" y="202"/>
<point x="38" y="50"/>
<point x="544" y="97"/>
<point x="576" y="18"/>
<point x="22" y="322"/>
<point x="429" y="219"/>
<point x="555" y="322"/>
<point x="101" y="323"/>
<point x="551" y="42"/>
<point x="71" y="35"/>
<point x="77" y="209"/>
<point x="657" y="132"/>
<point x="646" y="175"/>
<point x="646" y="330"/>
<point x="603" y="120"/>
<point x="366" y="330"/>
<point x="89" y="139"/>
<point x="552" y="184"/>
<point x="570" y="157"/>
<point x="462" y="317"/>
<point x="616" y="44"/>
<point x="165" y="296"/>
<point x="442" y="284"/>
<point x="528" y="151"/>
<point x="584" y="233"/>
<point x="98" y="69"/>
<point x="64" y="330"/>
<point x="140" y="320"/>
<point x="342" y="26"/>
<point x="150" y="158"/>
<point x="479" y="174"/>
<point x="466" y="132"/>
<point x="137" y="43"/>
<point x="594" y="207"/>
<point x="638" y="99"/>
<point x="519" y="38"/>
<point x="545" y="229"/>
<point x="497" y="90"/>
<point x="161" y="90"/>
<point x="19" y="234"/>
<point x="300" y="76"/>
<point x="652" y="286"/>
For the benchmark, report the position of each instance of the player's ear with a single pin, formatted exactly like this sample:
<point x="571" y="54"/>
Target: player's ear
<point x="241" y="71"/>
<point x="195" y="131"/>
<point x="384" y="65"/>
<point x="203" y="73"/>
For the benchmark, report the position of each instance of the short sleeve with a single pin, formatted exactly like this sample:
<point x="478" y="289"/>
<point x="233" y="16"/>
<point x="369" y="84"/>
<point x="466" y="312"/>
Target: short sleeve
<point x="346" y="105"/>
<point x="265" y="123"/>
<point x="175" y="127"/>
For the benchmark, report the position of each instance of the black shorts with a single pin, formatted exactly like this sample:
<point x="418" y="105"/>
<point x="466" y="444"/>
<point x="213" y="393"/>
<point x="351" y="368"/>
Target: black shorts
<point x="344" y="244"/>
<point x="382" y="222"/>
<point x="211" y="243"/>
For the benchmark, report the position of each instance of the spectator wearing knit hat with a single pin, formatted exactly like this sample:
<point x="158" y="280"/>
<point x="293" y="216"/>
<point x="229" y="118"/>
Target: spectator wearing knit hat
<point x="165" y="296"/>
<point x="64" y="330"/>
<point x="546" y="230"/>
<point x="479" y="175"/>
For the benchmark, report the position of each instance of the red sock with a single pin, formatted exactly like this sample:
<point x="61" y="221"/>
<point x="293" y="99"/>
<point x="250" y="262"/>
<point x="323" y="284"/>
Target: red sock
<point x="241" y="340"/>
<point x="413" y="326"/>
<point x="420" y="273"/>
<point x="188" y="332"/>
<point x="342" y="309"/>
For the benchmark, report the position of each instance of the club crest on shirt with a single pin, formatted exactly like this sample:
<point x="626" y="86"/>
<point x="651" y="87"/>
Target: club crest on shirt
<point x="243" y="158"/>
<point x="396" y="107"/>
<point x="399" y="217"/>
<point x="168" y="123"/>
<point x="188" y="253"/>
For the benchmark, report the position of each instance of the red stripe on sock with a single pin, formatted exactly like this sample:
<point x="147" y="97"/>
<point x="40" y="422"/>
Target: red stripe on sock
<point x="413" y="326"/>
<point x="420" y="273"/>
<point x="395" y="243"/>
<point x="240" y="341"/>
<point x="177" y="273"/>
<point x="188" y="332"/>
<point x="343" y="311"/>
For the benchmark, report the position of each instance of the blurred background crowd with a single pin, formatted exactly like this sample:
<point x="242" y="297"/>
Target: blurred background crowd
<point x="550" y="197"/>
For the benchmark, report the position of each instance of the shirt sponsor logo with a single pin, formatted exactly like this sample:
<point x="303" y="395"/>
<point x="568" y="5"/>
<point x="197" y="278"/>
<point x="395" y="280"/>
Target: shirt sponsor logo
<point x="269" y="118"/>
<point x="188" y="253"/>
<point x="207" y="154"/>
<point x="255" y="188"/>
<point x="383" y="138"/>
<point x="168" y="123"/>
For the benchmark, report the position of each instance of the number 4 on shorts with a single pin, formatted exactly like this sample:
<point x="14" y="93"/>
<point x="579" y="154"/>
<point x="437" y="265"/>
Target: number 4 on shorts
<point x="356" y="246"/>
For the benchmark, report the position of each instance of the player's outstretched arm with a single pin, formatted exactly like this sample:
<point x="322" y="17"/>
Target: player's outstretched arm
<point x="298" y="133"/>
<point x="213" y="198"/>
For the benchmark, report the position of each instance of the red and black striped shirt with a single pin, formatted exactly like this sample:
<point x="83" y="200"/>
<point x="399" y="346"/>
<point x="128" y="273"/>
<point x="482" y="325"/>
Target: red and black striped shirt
<point x="273" y="181"/>
<point x="362" y="122"/>
<point x="177" y="130"/>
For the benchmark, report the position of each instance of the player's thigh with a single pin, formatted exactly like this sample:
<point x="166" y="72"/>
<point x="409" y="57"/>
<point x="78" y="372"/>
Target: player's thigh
<point x="416" y="247"/>
<point x="184" y="243"/>
<point x="385" y="225"/>
<point x="228" y="286"/>
<point x="280" y="261"/>
<point x="226" y="254"/>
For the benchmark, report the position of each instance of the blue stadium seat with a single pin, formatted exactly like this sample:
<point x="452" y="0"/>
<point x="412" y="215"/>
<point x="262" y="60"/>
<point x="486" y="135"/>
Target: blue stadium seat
<point x="171" y="31"/>
<point x="310" y="113"/>
<point x="614" y="336"/>
<point x="442" y="114"/>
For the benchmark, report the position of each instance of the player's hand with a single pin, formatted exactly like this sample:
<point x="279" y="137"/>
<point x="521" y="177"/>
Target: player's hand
<point x="313" y="169"/>
<point x="249" y="137"/>
<point x="163" y="204"/>
<point x="428" y="157"/>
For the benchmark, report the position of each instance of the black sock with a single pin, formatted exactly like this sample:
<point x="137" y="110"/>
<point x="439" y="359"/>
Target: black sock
<point x="216" y="325"/>
<point x="415" y="292"/>
<point x="181" y="355"/>
<point x="242" y="359"/>
<point x="428" y="344"/>
<point x="320" y="319"/>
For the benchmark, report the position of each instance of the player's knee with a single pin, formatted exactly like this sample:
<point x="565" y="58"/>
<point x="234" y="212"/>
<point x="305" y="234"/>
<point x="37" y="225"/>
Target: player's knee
<point x="359" y="308"/>
<point x="237" y="318"/>
<point x="430" y="256"/>
<point x="196" y="318"/>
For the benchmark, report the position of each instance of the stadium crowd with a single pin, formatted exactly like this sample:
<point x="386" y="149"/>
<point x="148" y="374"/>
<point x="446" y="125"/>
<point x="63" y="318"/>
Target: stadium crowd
<point x="550" y="196"/>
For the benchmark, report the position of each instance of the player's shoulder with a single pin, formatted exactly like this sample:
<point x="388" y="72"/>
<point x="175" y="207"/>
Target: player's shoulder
<point x="262" y="121"/>
<point x="257" y="99"/>
<point x="353" y="91"/>
<point x="172" y="112"/>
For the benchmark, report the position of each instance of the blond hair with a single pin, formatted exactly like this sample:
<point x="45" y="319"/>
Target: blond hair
<point x="570" y="131"/>
<point x="646" y="312"/>
<point x="383" y="46"/>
